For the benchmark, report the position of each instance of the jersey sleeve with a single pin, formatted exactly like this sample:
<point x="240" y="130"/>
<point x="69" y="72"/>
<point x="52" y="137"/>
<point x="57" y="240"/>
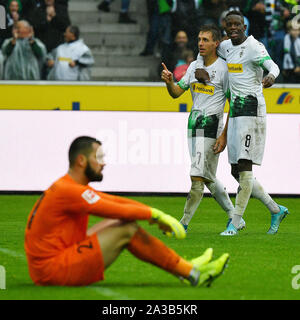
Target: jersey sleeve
<point x="221" y="51"/>
<point x="82" y="199"/>
<point x="272" y="67"/>
<point x="184" y="83"/>
<point x="262" y="59"/>
<point x="122" y="200"/>
<point x="259" y="54"/>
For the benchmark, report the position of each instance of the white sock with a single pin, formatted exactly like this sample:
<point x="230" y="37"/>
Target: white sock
<point x="242" y="197"/>
<point x="236" y="219"/>
<point x="218" y="191"/>
<point x="192" y="201"/>
<point x="259" y="193"/>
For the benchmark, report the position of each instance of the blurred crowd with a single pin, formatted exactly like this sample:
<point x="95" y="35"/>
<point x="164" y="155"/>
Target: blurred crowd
<point x="174" y="25"/>
<point x="40" y="42"/>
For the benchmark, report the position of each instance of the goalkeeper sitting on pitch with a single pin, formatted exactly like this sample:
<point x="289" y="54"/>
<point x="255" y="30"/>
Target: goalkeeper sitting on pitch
<point x="61" y="251"/>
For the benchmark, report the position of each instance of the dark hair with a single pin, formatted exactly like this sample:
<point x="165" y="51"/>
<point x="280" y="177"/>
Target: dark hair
<point x="236" y="13"/>
<point x="75" y="30"/>
<point x="215" y="31"/>
<point x="81" y="145"/>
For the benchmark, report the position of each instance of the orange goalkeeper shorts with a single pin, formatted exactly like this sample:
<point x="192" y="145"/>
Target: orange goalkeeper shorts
<point x="79" y="265"/>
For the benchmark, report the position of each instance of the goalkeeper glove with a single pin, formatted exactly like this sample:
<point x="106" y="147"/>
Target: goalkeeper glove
<point x="167" y="223"/>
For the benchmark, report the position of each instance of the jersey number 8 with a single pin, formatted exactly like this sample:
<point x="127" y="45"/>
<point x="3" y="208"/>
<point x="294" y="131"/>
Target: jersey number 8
<point x="248" y="139"/>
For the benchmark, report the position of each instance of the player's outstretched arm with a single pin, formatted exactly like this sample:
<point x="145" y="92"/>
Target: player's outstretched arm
<point x="167" y="76"/>
<point x="167" y="223"/>
<point x="121" y="200"/>
<point x="83" y="199"/>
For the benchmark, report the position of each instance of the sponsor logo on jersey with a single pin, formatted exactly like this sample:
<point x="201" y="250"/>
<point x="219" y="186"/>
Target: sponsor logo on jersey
<point x="235" y="67"/>
<point x="201" y="88"/>
<point x="64" y="59"/>
<point x="284" y="98"/>
<point x="90" y="196"/>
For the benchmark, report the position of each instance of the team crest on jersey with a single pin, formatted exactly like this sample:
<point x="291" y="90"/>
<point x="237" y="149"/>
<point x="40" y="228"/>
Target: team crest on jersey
<point x="213" y="75"/>
<point x="201" y="88"/>
<point x="242" y="51"/>
<point x="235" y="67"/>
<point x="90" y="196"/>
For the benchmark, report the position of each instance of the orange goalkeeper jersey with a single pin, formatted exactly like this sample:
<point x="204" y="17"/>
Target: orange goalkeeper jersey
<point x="59" y="218"/>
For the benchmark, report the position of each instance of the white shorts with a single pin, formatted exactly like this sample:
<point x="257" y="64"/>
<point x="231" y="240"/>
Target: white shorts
<point x="203" y="160"/>
<point x="202" y="134"/>
<point x="246" y="138"/>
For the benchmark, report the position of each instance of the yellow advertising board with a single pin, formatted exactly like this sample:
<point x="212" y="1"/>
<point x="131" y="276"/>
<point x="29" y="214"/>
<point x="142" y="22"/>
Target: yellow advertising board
<point x="120" y="97"/>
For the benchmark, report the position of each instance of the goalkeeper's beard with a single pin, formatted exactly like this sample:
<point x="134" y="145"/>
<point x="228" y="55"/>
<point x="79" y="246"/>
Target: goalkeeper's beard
<point x="91" y="174"/>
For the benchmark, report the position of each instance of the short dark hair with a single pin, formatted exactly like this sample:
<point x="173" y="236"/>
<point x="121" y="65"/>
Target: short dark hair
<point x="75" y="30"/>
<point x="81" y="145"/>
<point x="235" y="13"/>
<point x="215" y="31"/>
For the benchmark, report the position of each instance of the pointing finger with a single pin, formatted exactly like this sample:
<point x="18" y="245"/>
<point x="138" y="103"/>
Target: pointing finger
<point x="164" y="66"/>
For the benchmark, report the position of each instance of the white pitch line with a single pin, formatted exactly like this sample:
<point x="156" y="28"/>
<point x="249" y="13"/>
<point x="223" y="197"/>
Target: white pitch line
<point x="109" y="293"/>
<point x="103" y="291"/>
<point x="13" y="253"/>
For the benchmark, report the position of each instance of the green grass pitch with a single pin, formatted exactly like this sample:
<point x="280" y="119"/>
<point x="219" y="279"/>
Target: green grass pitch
<point x="259" y="268"/>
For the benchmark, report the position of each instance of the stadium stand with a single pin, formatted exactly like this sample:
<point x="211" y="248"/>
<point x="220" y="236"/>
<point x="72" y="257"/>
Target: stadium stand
<point x="115" y="46"/>
<point x="120" y="50"/>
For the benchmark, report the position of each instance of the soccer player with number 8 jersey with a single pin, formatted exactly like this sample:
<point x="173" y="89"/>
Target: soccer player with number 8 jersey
<point x="246" y="60"/>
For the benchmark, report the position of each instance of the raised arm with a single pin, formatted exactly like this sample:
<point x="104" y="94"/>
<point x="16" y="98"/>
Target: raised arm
<point x="167" y="76"/>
